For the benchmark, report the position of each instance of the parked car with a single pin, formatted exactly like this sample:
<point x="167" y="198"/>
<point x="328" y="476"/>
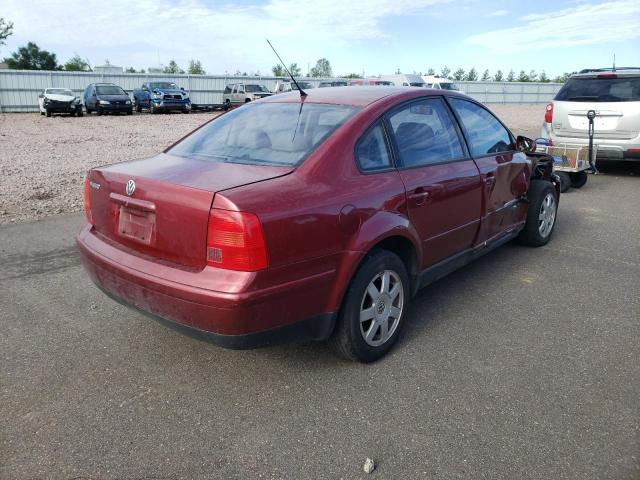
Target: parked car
<point x="161" y="97"/>
<point x="404" y="80"/>
<point x="59" y="100"/>
<point x="439" y="83"/>
<point x="332" y="83"/>
<point x="106" y="98"/>
<point x="369" y="81"/>
<point x="615" y="97"/>
<point x="314" y="217"/>
<point x="287" y="86"/>
<point x="240" y="93"/>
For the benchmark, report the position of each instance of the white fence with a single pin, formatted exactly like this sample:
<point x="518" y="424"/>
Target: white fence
<point x="19" y="89"/>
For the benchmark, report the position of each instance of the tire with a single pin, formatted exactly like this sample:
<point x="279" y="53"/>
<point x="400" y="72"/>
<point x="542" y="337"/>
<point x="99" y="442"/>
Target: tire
<point x="138" y="108"/>
<point x="247" y="100"/>
<point x="227" y="105"/>
<point x="186" y="110"/>
<point x="130" y="112"/>
<point x="381" y="273"/>
<point x="542" y="214"/>
<point x="99" y="111"/>
<point x="80" y="113"/>
<point x="42" y="113"/>
<point x="578" y="179"/>
<point x="565" y="181"/>
<point x="47" y="112"/>
<point x="152" y="108"/>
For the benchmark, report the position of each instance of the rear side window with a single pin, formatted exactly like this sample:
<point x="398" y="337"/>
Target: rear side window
<point x="228" y="89"/>
<point x="425" y="133"/>
<point x="265" y="134"/>
<point x="600" y="90"/>
<point x="372" y="153"/>
<point x="486" y="135"/>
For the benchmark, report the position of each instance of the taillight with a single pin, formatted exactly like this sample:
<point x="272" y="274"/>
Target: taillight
<point x="548" y="113"/>
<point x="235" y="241"/>
<point x="608" y="75"/>
<point x="87" y="200"/>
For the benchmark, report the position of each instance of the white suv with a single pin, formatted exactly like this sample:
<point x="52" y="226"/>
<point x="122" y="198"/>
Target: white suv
<point x="238" y="93"/>
<point x="615" y="97"/>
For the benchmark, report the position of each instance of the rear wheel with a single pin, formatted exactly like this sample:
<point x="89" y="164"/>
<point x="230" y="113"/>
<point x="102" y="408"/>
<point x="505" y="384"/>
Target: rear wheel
<point x="565" y="181"/>
<point x="578" y="179"/>
<point x="374" y="308"/>
<point x="541" y="218"/>
<point x="227" y="105"/>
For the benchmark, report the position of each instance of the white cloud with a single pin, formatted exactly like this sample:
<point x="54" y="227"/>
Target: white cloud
<point x="221" y="35"/>
<point x="498" y="13"/>
<point x="586" y="24"/>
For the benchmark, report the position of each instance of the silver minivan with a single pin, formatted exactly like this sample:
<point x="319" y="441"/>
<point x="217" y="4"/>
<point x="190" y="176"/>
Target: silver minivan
<point x="614" y="95"/>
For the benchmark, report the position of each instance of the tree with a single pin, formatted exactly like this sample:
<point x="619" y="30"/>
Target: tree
<point x="458" y="74"/>
<point x="173" y="68"/>
<point x="543" y="77"/>
<point x="6" y="30"/>
<point x="322" y="69"/>
<point x="351" y="75"/>
<point x="562" y="78"/>
<point x="77" y="64"/>
<point x="431" y="71"/>
<point x="472" y="76"/>
<point x="295" y="70"/>
<point x="523" y="77"/>
<point x="445" y="72"/>
<point x="533" y="76"/>
<point x="278" y="71"/>
<point x="485" y="76"/>
<point x="511" y="77"/>
<point x="195" y="68"/>
<point x="498" y="77"/>
<point x="398" y="72"/>
<point x="32" y="58"/>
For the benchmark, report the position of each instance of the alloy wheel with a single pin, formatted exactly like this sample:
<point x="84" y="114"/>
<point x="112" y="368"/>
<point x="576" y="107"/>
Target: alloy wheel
<point x="547" y="216"/>
<point x="381" y="308"/>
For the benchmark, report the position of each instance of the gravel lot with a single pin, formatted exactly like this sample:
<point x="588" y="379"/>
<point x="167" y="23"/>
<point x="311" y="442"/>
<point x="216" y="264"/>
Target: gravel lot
<point x="43" y="161"/>
<point x="521" y="366"/>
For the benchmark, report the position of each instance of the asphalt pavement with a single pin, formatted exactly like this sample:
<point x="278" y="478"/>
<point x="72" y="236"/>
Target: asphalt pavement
<point x="523" y="365"/>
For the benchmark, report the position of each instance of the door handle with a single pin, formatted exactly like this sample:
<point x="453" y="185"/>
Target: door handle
<point x="490" y="180"/>
<point x="419" y="196"/>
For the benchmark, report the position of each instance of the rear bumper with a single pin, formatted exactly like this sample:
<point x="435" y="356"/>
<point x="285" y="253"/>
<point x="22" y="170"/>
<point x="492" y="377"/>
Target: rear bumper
<point x="608" y="149"/>
<point x="230" y="319"/>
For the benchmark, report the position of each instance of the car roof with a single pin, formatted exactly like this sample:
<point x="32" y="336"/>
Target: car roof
<point x="594" y="72"/>
<point x="360" y="96"/>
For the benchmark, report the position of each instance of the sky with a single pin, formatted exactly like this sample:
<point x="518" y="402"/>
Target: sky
<point x="372" y="36"/>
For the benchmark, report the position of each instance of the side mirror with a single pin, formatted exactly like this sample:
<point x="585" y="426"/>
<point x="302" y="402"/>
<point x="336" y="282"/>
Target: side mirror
<point x="525" y="144"/>
<point x="41" y="95"/>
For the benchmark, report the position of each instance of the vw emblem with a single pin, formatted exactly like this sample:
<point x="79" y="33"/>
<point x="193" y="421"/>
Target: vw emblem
<point x="130" y="188"/>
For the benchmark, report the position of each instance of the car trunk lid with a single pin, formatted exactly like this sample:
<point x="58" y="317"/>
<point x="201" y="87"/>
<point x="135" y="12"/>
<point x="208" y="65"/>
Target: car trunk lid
<point x="160" y="206"/>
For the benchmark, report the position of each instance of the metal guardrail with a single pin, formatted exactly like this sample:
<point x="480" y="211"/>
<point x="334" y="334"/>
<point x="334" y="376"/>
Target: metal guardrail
<point x="19" y="89"/>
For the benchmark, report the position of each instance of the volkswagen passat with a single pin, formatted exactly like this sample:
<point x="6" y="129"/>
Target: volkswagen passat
<point x="314" y="217"/>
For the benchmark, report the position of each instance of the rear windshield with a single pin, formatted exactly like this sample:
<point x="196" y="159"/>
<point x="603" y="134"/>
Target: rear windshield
<point x="255" y="88"/>
<point x="626" y="89"/>
<point x="265" y="134"/>
<point x="109" y="90"/>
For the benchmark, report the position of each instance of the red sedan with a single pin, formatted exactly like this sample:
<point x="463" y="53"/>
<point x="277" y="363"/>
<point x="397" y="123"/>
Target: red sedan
<point x="314" y="217"/>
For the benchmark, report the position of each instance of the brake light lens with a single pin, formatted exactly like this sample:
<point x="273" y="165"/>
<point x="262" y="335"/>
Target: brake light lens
<point x="608" y="75"/>
<point x="548" y="113"/>
<point x="87" y="200"/>
<point x="235" y="241"/>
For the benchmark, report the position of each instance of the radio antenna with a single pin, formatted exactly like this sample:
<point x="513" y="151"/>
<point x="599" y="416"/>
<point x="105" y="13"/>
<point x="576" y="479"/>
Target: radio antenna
<point x="302" y="92"/>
